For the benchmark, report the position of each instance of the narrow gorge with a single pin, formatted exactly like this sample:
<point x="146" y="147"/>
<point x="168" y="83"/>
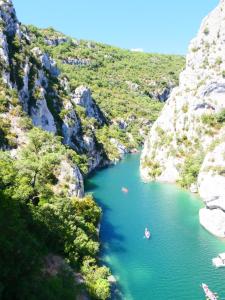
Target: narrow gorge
<point x="74" y="114"/>
<point x="67" y="108"/>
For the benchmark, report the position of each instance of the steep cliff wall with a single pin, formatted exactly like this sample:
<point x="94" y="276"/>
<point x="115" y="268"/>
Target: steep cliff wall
<point x="32" y="76"/>
<point x="44" y="78"/>
<point x="186" y="143"/>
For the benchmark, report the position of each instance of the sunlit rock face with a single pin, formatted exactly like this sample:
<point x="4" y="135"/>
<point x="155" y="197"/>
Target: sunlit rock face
<point x="47" y="98"/>
<point x="191" y="124"/>
<point x="82" y="97"/>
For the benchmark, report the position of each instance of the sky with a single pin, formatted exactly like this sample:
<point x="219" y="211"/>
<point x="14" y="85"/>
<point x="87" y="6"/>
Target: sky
<point x="162" y="26"/>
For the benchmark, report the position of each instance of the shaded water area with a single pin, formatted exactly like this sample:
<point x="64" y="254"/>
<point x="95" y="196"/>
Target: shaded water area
<point x="177" y="258"/>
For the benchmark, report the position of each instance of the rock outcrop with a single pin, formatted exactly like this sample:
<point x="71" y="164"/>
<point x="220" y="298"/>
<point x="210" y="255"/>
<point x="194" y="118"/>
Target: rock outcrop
<point x="82" y="97"/>
<point x="70" y="178"/>
<point x="186" y="143"/>
<point x="46" y="98"/>
<point x="76" y="61"/>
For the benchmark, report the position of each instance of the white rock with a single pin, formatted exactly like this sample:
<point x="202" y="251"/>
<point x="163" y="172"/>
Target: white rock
<point x="82" y="96"/>
<point x="42" y="117"/>
<point x="46" y="61"/>
<point x="194" y="188"/>
<point x="95" y="158"/>
<point x="180" y="131"/>
<point x="213" y="221"/>
<point x="8" y="15"/>
<point x="211" y="179"/>
<point x="120" y="147"/>
<point x="71" y="178"/>
<point x="71" y="128"/>
<point x="24" y="94"/>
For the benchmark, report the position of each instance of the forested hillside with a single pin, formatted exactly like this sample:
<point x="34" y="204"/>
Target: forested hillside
<point x="67" y="107"/>
<point x="129" y="87"/>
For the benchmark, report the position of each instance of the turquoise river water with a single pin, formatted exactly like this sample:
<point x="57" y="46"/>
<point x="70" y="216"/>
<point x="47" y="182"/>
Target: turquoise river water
<point x="177" y="258"/>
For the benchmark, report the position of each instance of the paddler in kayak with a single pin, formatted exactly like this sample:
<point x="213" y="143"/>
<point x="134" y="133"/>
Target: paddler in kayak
<point x="147" y="233"/>
<point x="124" y="190"/>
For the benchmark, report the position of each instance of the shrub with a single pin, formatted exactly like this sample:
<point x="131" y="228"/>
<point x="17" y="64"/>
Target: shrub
<point x="190" y="170"/>
<point x="185" y="108"/>
<point x="219" y="61"/>
<point x="209" y="119"/>
<point x="154" y="167"/>
<point x="220" y="117"/>
<point x="206" y="31"/>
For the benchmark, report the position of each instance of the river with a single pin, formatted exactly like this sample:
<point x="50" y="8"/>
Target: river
<point x="173" y="263"/>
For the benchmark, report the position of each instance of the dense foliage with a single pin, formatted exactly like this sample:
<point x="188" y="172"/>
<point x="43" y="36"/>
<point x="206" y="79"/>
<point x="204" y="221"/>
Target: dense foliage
<point x="126" y="85"/>
<point x="190" y="170"/>
<point x="36" y="222"/>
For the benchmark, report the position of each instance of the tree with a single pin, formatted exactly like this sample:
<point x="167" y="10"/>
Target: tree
<point x="20" y="252"/>
<point x="36" y="166"/>
<point x="96" y="279"/>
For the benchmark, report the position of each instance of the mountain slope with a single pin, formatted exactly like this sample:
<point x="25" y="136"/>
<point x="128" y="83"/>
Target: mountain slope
<point x="186" y="143"/>
<point x="127" y="86"/>
<point x="53" y="132"/>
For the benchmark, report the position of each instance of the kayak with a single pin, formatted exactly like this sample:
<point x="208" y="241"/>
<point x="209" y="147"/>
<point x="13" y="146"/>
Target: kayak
<point x="209" y="294"/>
<point x="124" y="190"/>
<point x="147" y="233"/>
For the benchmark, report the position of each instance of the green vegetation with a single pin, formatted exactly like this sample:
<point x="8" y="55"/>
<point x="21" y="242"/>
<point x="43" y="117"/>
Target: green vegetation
<point x="190" y="170"/>
<point x="185" y="108"/>
<point x="123" y="83"/>
<point x="220" y="117"/>
<point x="155" y="170"/>
<point x="206" y="31"/>
<point x="219" y="60"/>
<point x="34" y="222"/>
<point x="37" y="220"/>
<point x="214" y="121"/>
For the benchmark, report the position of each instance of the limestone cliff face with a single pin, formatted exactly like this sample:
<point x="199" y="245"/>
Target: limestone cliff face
<point x="189" y="134"/>
<point x="82" y="97"/>
<point x="46" y="98"/>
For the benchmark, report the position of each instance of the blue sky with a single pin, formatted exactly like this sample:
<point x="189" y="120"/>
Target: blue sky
<point x="164" y="26"/>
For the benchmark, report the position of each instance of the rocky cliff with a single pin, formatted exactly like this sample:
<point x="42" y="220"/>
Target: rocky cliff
<point x="44" y="77"/>
<point x="32" y="76"/>
<point x="186" y="143"/>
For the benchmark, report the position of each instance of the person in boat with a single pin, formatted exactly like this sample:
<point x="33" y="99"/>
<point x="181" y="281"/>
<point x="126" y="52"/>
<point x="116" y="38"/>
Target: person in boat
<point x="209" y="294"/>
<point x="147" y="233"/>
<point x="125" y="190"/>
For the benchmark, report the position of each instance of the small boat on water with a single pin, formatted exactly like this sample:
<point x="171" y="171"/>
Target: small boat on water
<point x="208" y="293"/>
<point x="147" y="233"/>
<point x="124" y="190"/>
<point x="219" y="261"/>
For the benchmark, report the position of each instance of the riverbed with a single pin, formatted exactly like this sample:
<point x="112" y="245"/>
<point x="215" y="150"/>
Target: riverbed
<point x="177" y="258"/>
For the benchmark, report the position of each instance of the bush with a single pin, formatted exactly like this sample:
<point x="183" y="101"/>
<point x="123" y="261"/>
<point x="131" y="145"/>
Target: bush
<point x="206" y="31"/>
<point x="209" y="119"/>
<point x="190" y="170"/>
<point x="220" y="117"/>
<point x="97" y="279"/>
